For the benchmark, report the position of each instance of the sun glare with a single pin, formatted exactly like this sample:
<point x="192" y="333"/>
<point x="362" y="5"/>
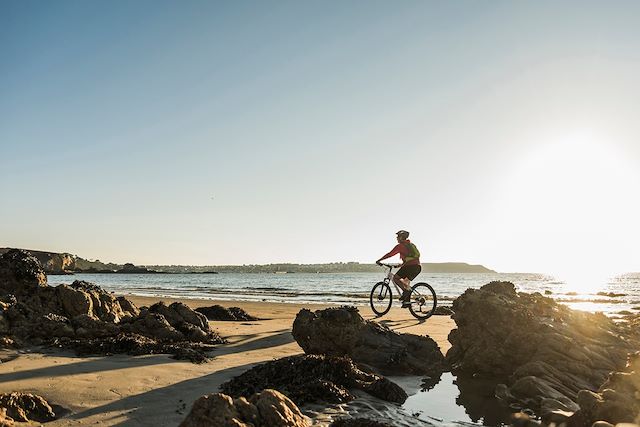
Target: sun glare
<point x="574" y="204"/>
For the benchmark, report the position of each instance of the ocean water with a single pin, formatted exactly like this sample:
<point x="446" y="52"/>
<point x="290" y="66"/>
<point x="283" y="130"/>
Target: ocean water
<point x="612" y="296"/>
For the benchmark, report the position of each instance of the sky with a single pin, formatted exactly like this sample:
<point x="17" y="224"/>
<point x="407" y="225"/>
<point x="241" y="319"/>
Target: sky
<point x="504" y="133"/>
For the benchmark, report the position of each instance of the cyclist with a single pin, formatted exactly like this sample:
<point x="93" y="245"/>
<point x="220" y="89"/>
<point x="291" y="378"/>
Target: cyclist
<point x="410" y="266"/>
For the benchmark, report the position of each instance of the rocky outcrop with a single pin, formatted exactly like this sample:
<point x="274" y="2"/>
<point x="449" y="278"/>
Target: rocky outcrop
<point x="231" y="314"/>
<point x="313" y="378"/>
<point x="20" y="272"/>
<point x="268" y="408"/>
<point x="25" y="407"/>
<point x="33" y="312"/>
<point x="543" y="352"/>
<point x="343" y="332"/>
<point x="616" y="401"/>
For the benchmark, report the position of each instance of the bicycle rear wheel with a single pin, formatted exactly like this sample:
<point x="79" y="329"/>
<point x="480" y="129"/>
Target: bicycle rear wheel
<point x="381" y="298"/>
<point x="423" y="301"/>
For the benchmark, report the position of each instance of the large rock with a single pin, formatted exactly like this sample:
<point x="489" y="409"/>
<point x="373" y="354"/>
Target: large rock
<point x="311" y="378"/>
<point x="20" y="273"/>
<point x="87" y="298"/>
<point x="268" y="408"/>
<point x="176" y="322"/>
<point x="343" y="332"/>
<point x="539" y="349"/>
<point x="25" y="407"/>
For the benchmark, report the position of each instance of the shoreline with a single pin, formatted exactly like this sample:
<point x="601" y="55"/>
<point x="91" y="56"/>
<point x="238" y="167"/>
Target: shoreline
<point x="156" y="390"/>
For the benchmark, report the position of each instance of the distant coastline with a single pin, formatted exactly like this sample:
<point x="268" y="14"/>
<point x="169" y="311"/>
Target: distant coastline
<point x="65" y="263"/>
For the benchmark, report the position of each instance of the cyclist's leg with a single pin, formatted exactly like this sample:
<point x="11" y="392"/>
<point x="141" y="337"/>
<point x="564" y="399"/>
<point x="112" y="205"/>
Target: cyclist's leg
<point x="410" y="272"/>
<point x="402" y="282"/>
<point x="401" y="278"/>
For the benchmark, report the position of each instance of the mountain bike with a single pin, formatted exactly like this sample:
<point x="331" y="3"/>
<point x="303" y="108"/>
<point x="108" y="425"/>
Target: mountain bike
<point x="423" y="298"/>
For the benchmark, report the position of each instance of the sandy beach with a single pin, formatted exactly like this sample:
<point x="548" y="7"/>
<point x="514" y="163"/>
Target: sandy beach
<point x="155" y="390"/>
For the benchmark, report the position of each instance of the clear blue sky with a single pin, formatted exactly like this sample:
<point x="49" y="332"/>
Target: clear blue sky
<point x="201" y="132"/>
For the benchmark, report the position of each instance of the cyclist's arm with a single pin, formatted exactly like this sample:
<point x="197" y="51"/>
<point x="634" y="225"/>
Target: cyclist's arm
<point x="393" y="252"/>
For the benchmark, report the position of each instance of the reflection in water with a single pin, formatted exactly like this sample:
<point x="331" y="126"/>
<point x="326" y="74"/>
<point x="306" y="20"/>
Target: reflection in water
<point x="456" y="401"/>
<point x="429" y="383"/>
<point x="478" y="398"/>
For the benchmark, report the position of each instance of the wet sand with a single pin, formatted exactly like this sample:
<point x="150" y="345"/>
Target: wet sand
<point x="155" y="390"/>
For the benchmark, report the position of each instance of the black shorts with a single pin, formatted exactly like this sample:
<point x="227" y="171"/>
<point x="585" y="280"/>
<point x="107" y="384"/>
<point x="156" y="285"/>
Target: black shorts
<point x="409" y="271"/>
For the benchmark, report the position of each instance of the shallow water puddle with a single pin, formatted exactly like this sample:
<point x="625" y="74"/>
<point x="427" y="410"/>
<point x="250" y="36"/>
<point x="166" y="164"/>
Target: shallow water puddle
<point x="453" y="401"/>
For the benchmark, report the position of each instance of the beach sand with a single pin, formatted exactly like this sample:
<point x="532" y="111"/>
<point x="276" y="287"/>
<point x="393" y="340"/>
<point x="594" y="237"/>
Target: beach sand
<point x="155" y="390"/>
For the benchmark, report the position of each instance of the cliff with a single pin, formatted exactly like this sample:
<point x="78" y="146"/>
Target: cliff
<point x="65" y="263"/>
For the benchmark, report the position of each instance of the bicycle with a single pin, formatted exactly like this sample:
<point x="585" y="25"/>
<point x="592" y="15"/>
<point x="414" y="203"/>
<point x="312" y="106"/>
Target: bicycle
<point x="423" y="298"/>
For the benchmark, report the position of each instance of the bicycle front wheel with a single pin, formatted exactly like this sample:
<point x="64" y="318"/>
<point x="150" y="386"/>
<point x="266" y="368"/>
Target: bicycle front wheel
<point x="381" y="298"/>
<point x="423" y="301"/>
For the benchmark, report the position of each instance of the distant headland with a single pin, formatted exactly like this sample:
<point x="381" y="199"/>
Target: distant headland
<point x="66" y="263"/>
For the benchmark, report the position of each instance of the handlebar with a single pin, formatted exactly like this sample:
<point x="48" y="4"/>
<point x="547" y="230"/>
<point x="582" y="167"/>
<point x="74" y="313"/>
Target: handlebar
<point x="389" y="265"/>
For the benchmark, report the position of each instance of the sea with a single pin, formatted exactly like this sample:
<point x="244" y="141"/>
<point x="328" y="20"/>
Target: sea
<point x="615" y="296"/>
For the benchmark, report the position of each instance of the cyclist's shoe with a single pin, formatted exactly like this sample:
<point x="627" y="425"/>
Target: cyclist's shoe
<point x="406" y="303"/>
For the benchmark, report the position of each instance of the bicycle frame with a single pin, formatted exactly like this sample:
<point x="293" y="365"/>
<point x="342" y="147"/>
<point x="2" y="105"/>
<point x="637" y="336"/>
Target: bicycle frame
<point x="390" y="276"/>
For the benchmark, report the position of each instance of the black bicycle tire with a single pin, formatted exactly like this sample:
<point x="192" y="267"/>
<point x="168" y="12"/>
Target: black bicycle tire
<point x="435" y="302"/>
<point x="373" y="290"/>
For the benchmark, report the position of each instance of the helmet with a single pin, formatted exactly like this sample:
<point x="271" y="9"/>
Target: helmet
<point x="403" y="234"/>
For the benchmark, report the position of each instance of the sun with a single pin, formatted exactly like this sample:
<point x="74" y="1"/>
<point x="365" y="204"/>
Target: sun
<point x="573" y="205"/>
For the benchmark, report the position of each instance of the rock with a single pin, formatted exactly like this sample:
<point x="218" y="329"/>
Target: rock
<point x="556" y="417"/>
<point x="269" y="408"/>
<point x="343" y="332"/>
<point x="20" y="273"/>
<point x="102" y="305"/>
<point x="153" y="325"/>
<point x="176" y="322"/>
<point x="53" y="325"/>
<point x="538" y="348"/>
<point x="617" y="400"/>
<point x="5" y="420"/>
<point x="5" y="327"/>
<point x="74" y="301"/>
<point x="32" y="312"/>
<point x="135" y="345"/>
<point x="311" y="378"/>
<point x="443" y="311"/>
<point x="26" y="407"/>
<point x="521" y="419"/>
<point x="275" y="409"/>
<point x="231" y="314"/>
<point x="178" y="313"/>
